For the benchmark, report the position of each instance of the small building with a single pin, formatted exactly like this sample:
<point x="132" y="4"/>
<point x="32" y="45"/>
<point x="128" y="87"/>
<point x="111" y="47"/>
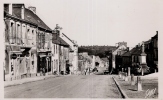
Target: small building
<point x="116" y="56"/>
<point x="73" y="54"/>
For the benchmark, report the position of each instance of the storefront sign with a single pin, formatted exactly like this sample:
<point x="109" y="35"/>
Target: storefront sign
<point x="49" y="54"/>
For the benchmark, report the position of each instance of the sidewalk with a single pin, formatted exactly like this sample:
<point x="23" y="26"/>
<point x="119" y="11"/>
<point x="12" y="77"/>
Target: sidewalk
<point x="27" y="80"/>
<point x="149" y="87"/>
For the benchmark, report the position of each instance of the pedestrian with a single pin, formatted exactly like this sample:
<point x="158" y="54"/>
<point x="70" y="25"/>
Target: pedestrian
<point x="43" y="71"/>
<point x="85" y="71"/>
<point x="89" y="71"/>
<point x="12" y="69"/>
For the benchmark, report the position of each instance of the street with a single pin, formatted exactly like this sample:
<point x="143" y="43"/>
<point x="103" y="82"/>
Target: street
<point x="82" y="86"/>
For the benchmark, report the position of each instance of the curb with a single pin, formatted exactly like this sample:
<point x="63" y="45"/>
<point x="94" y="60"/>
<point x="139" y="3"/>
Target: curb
<point x="124" y="95"/>
<point x="43" y="78"/>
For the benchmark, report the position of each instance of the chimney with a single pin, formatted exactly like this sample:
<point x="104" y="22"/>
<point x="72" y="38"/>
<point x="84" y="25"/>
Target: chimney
<point x="33" y="9"/>
<point x="156" y="32"/>
<point x="143" y="47"/>
<point x="116" y="44"/>
<point x="139" y="44"/>
<point x="22" y="12"/>
<point x="10" y="8"/>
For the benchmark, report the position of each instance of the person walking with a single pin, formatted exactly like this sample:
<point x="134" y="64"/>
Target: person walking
<point x="43" y="71"/>
<point x="89" y="70"/>
<point x="85" y="71"/>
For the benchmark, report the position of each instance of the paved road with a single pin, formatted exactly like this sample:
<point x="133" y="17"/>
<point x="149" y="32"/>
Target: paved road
<point x="82" y="86"/>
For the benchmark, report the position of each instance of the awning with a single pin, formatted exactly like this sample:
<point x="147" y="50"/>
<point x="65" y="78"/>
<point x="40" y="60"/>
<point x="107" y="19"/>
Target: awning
<point x="42" y="56"/>
<point x="33" y="51"/>
<point x="16" y="52"/>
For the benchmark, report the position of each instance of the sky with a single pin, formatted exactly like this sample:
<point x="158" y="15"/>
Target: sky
<point x="101" y="22"/>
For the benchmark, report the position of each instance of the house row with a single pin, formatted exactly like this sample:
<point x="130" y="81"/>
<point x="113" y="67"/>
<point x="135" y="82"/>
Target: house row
<point x="31" y="47"/>
<point x="141" y="59"/>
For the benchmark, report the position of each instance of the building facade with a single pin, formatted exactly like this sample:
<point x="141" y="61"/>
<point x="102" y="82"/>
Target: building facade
<point x="116" y="60"/>
<point x="26" y="36"/>
<point x="60" y="54"/>
<point x="73" y="54"/>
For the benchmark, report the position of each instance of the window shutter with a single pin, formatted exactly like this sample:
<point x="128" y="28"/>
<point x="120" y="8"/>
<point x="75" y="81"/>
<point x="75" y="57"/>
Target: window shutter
<point x="7" y="31"/>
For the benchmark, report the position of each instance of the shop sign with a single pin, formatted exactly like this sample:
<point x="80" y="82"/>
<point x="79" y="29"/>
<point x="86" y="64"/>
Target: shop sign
<point x="13" y="56"/>
<point x="49" y="54"/>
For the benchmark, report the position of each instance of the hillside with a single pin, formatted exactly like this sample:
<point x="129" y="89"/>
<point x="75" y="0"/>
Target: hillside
<point x="101" y="51"/>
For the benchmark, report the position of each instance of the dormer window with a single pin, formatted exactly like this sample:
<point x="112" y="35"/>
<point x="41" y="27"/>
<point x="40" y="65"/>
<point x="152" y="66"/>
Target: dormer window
<point x="32" y="31"/>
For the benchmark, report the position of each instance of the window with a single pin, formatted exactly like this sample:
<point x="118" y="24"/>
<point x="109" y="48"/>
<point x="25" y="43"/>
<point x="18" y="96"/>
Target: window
<point x="11" y="36"/>
<point x="32" y="32"/>
<point x="23" y="34"/>
<point x="43" y="40"/>
<point x="32" y="37"/>
<point x="39" y="40"/>
<point x="56" y="49"/>
<point x="18" y="36"/>
<point x="28" y="36"/>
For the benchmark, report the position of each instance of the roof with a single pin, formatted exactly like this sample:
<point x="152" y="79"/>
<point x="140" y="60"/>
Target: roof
<point x="137" y="51"/>
<point x="30" y="16"/>
<point x="129" y="52"/>
<point x="147" y="42"/>
<point x="58" y="40"/>
<point x="156" y="36"/>
<point x="69" y="39"/>
<point x="63" y="43"/>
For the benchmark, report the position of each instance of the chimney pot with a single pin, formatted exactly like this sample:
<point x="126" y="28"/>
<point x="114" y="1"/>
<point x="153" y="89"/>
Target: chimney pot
<point x="33" y="9"/>
<point x="22" y="12"/>
<point x="10" y="8"/>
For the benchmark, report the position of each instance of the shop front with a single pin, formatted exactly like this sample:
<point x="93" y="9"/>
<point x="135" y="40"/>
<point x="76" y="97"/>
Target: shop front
<point x="17" y="62"/>
<point x="44" y="63"/>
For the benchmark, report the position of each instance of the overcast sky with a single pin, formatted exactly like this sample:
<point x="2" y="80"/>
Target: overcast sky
<point x="101" y="22"/>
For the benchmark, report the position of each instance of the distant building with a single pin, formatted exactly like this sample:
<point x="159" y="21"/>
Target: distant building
<point x="116" y="56"/>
